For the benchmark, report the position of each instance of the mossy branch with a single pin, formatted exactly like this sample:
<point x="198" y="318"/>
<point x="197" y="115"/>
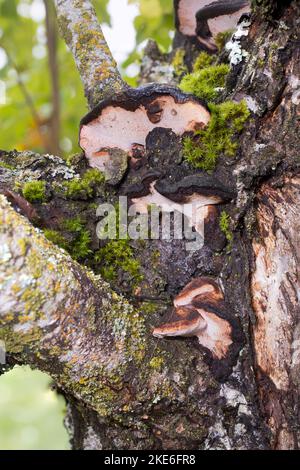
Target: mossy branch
<point x="82" y="32"/>
<point x="58" y="316"/>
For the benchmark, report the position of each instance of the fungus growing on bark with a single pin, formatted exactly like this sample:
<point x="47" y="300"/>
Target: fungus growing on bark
<point x="198" y="312"/>
<point x="203" y="20"/>
<point x="193" y="196"/>
<point x="124" y="120"/>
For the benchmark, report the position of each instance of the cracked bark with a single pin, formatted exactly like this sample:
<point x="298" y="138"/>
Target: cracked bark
<point x="173" y="394"/>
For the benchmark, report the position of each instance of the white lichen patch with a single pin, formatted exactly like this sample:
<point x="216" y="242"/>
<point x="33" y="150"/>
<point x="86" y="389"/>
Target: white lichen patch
<point x="217" y="438"/>
<point x="91" y="440"/>
<point x="234" y="47"/>
<point x="5" y="254"/>
<point x="294" y="83"/>
<point x="235" y="398"/>
<point x="252" y="104"/>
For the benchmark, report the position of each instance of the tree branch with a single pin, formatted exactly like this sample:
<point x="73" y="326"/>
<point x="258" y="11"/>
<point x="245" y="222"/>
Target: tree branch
<point x="60" y="317"/>
<point x="81" y="30"/>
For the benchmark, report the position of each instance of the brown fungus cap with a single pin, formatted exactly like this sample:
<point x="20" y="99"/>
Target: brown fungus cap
<point x="193" y="196"/>
<point x="203" y="20"/>
<point x="193" y="316"/>
<point x="125" y="120"/>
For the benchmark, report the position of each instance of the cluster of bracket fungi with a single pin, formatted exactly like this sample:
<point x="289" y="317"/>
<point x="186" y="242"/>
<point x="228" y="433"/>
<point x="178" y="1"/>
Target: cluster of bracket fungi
<point x="196" y="312"/>
<point x="113" y="136"/>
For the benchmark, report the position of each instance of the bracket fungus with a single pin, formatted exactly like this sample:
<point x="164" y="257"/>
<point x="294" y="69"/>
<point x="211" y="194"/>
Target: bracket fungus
<point x="203" y="20"/>
<point x="124" y="121"/>
<point x="193" y="196"/>
<point x="198" y="311"/>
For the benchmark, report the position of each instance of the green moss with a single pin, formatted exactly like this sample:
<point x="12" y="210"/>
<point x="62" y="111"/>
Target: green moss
<point x="225" y="226"/>
<point x="178" y="62"/>
<point x="74" y="225"/>
<point x="203" y="60"/>
<point x="79" y="247"/>
<point x="118" y="255"/>
<point x="205" y="83"/>
<point x="115" y="255"/>
<point x="6" y="165"/>
<point x="56" y="238"/>
<point x="85" y="187"/>
<point x="223" y="38"/>
<point x="150" y="307"/>
<point x="218" y="138"/>
<point x="156" y="363"/>
<point x="75" y="239"/>
<point x="34" y="191"/>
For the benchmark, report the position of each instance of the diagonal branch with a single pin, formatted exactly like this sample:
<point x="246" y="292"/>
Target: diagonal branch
<point x="81" y="30"/>
<point x="56" y="315"/>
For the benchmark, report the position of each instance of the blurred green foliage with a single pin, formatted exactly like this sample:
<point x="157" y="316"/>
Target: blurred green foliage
<point x="31" y="415"/>
<point x="25" y="118"/>
<point x="27" y="71"/>
<point x="155" y="21"/>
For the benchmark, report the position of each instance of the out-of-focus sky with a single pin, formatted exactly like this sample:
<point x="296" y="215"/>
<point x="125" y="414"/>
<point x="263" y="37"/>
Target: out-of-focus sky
<point x="120" y="35"/>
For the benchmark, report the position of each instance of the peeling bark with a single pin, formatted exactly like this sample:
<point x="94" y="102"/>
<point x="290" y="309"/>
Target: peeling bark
<point x="275" y="289"/>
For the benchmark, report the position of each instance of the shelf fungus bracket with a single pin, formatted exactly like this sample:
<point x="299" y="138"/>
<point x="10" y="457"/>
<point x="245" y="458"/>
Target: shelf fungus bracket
<point x="198" y="311"/>
<point x="202" y="20"/>
<point x="124" y="121"/>
<point x="194" y="196"/>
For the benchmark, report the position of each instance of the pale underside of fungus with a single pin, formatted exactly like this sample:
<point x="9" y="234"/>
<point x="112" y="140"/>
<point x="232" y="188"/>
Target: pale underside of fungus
<point x="196" y="208"/>
<point x="205" y="19"/>
<point x="195" y="313"/>
<point x="125" y="121"/>
<point x="193" y="196"/>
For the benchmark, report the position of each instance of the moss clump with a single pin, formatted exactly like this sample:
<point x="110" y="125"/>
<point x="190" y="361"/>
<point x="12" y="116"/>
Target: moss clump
<point x="34" y="191"/>
<point x="227" y="119"/>
<point x="118" y="255"/>
<point x="76" y="239"/>
<point x="86" y="186"/>
<point x="156" y="363"/>
<point x="203" y="60"/>
<point x="7" y="166"/>
<point x="178" y="62"/>
<point x="79" y="247"/>
<point x="57" y="238"/>
<point x="225" y="226"/>
<point x="205" y="83"/>
<point x="223" y="38"/>
<point x="115" y="255"/>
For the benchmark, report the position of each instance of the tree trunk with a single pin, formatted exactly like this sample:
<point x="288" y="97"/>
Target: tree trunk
<point x="126" y="389"/>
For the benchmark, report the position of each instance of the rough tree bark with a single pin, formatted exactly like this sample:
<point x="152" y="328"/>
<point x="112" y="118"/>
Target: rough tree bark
<point x="126" y="389"/>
